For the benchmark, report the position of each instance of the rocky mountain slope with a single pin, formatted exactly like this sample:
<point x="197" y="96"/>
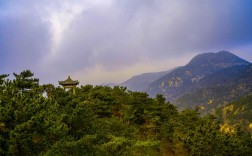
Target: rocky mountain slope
<point x="203" y="77"/>
<point x="220" y="87"/>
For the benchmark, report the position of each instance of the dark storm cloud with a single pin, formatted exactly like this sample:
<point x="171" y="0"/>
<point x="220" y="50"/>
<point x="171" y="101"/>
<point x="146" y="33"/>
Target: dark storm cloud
<point x="160" y="28"/>
<point x="177" y="27"/>
<point x="70" y="37"/>
<point x="24" y="40"/>
<point x="98" y="37"/>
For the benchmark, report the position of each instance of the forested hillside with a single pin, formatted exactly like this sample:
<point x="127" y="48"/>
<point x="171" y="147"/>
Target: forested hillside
<point x="47" y="120"/>
<point x="237" y="113"/>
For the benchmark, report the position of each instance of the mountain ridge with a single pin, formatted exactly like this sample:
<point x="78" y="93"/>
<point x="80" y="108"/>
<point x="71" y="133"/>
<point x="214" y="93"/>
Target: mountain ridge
<point x="140" y="82"/>
<point x="220" y="57"/>
<point x="194" y="75"/>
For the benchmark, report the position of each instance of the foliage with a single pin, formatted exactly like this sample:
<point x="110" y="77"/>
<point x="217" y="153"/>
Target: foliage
<point x="47" y="120"/>
<point x="237" y="113"/>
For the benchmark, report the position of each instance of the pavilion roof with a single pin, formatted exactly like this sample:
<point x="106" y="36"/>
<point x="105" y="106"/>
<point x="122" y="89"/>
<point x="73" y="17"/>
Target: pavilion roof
<point x="69" y="81"/>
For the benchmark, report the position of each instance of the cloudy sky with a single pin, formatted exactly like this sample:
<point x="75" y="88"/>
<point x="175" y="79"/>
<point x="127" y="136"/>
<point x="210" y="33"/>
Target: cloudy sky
<point x="101" y="41"/>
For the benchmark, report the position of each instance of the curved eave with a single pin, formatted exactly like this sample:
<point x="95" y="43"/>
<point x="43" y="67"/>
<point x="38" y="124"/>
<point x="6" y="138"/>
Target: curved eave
<point x="68" y="83"/>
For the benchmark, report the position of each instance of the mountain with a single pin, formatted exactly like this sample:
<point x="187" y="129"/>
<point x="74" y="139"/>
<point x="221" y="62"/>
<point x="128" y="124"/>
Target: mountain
<point x="219" y="59"/>
<point x="192" y="85"/>
<point x="140" y="82"/>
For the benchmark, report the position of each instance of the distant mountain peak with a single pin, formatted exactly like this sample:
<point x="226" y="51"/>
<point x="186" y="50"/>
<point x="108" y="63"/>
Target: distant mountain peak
<point x="224" y="52"/>
<point x="222" y="57"/>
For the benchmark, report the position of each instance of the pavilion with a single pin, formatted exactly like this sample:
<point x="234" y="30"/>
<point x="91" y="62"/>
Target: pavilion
<point x="69" y="84"/>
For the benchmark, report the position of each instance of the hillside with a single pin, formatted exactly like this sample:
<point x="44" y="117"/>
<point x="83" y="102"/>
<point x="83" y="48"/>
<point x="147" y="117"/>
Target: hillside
<point x="193" y="85"/>
<point x="99" y="120"/>
<point x="237" y="113"/>
<point x="223" y="86"/>
<point x="141" y="82"/>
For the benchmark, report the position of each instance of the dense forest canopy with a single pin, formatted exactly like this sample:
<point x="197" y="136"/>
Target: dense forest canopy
<point x="98" y="120"/>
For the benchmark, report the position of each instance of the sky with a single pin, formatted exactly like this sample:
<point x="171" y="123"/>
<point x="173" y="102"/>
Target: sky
<point x="104" y="41"/>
